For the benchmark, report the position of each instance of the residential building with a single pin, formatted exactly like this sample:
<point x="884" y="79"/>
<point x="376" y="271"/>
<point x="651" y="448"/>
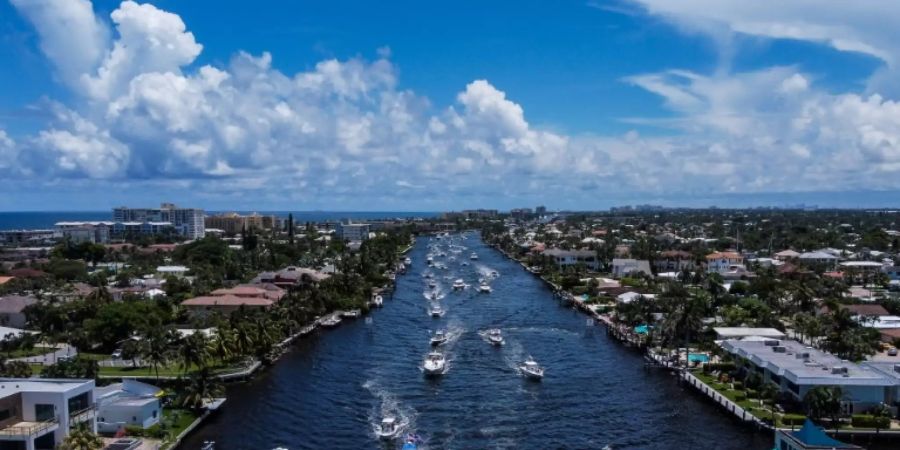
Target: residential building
<point x="26" y="237"/>
<point x="796" y="369"/>
<point x="822" y="259"/>
<point x="12" y="310"/>
<point x="205" y="305"/>
<point x="290" y="276"/>
<point x="723" y="333"/>
<point x="787" y="255"/>
<point x="540" y="210"/>
<point x="177" y="271"/>
<point x="809" y="437"/>
<point x="189" y="222"/>
<point x="565" y="258"/>
<point x="38" y="413"/>
<point x="480" y="213"/>
<point x="78" y="232"/>
<point x="674" y="261"/>
<point x="234" y="223"/>
<point x="353" y="232"/>
<point x="623" y="267"/>
<point x="722" y="262"/>
<point x="129" y="403"/>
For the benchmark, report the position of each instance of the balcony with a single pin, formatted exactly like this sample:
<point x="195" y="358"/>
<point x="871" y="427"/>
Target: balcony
<point x="83" y="415"/>
<point x="25" y="429"/>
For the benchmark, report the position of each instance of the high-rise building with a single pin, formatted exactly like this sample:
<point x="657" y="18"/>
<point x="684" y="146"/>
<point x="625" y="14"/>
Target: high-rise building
<point x="540" y="210"/>
<point x="233" y="223"/>
<point x="189" y="222"/>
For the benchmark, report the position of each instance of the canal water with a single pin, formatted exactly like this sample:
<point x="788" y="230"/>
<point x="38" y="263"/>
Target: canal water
<point x="335" y="385"/>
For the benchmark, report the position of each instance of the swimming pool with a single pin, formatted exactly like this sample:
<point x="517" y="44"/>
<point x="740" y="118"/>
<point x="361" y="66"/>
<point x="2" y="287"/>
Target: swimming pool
<point x="698" y="357"/>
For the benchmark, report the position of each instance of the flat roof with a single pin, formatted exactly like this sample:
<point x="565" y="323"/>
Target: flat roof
<point x="10" y="386"/>
<point x="815" y="370"/>
<point x="734" y="332"/>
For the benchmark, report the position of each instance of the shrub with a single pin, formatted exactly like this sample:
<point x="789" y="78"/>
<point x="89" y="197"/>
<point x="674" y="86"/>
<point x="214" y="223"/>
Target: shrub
<point x="869" y="421"/>
<point x="752" y="393"/>
<point x="792" y="419"/>
<point x="740" y="396"/>
<point x="738" y="385"/>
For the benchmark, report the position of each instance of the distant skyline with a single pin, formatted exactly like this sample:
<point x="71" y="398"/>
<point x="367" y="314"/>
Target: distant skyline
<point x="422" y="106"/>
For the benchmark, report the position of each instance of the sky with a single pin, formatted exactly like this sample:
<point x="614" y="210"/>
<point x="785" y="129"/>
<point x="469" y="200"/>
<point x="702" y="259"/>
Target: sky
<point x="431" y="106"/>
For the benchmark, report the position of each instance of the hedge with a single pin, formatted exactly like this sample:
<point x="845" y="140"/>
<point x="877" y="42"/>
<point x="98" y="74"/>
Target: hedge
<point x="869" y="421"/>
<point x="793" y="419"/>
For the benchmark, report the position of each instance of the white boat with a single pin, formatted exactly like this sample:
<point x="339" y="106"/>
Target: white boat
<point x="407" y="261"/>
<point x="432" y="284"/>
<point x="439" y="338"/>
<point x="208" y="445"/>
<point x="494" y="274"/>
<point x="389" y="428"/>
<point x="484" y="288"/>
<point x="331" y="321"/>
<point x="531" y="369"/>
<point x="434" y="364"/>
<point x="495" y="337"/>
<point x="378" y="301"/>
<point x="436" y="311"/>
<point x="429" y="260"/>
<point x="473" y="256"/>
<point x="352" y="314"/>
<point x="433" y="296"/>
<point x="459" y="284"/>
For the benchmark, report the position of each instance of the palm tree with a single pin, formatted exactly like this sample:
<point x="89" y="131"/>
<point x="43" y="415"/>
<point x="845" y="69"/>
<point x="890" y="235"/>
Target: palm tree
<point x="194" y="351"/>
<point x="156" y="350"/>
<point x="201" y="386"/>
<point x="81" y="438"/>
<point x="223" y="345"/>
<point x="824" y="401"/>
<point x="882" y="415"/>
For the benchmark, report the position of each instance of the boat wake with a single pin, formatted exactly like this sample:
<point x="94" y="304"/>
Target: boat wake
<point x="387" y="405"/>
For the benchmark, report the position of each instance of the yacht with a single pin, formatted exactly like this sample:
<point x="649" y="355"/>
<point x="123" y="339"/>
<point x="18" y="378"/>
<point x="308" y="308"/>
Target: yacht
<point x="430" y="260"/>
<point x="378" y="301"/>
<point x="352" y="314"/>
<point x="495" y="337"/>
<point x="432" y="284"/>
<point x="407" y="261"/>
<point x="208" y="445"/>
<point x="439" y="338"/>
<point x="331" y="321"/>
<point x="484" y="288"/>
<point x="459" y="284"/>
<point x="494" y="274"/>
<point x="434" y="364"/>
<point x="434" y="296"/>
<point x="436" y="311"/>
<point x="531" y="369"/>
<point x="473" y="256"/>
<point x="389" y="428"/>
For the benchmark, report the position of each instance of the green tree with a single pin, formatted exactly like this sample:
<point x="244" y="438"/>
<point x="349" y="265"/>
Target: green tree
<point x="201" y="386"/>
<point x="81" y="438"/>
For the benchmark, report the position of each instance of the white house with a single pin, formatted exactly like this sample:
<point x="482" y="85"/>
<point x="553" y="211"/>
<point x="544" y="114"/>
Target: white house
<point x="38" y="413"/>
<point x="572" y="257"/>
<point x="722" y="262"/>
<point x="127" y="403"/>
<point x="624" y="266"/>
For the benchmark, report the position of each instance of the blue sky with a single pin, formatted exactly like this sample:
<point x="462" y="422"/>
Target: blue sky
<point x="412" y="105"/>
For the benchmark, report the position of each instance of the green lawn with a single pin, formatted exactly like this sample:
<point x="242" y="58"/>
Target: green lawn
<point x="169" y="371"/>
<point x="25" y="353"/>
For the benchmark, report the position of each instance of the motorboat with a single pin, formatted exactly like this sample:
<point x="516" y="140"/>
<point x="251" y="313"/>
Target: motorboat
<point x="429" y="260"/>
<point x="494" y="274"/>
<point x="433" y="296"/>
<point x="484" y="288"/>
<point x="352" y="314"/>
<point x="389" y="428"/>
<point x="378" y="301"/>
<point x="439" y="338"/>
<point x="331" y="321"/>
<point x="434" y="364"/>
<point x="459" y="284"/>
<point x="531" y="369"/>
<point x="473" y="256"/>
<point x="495" y="337"/>
<point x="412" y="442"/>
<point x="464" y="263"/>
<point x="432" y="284"/>
<point x="407" y="261"/>
<point x="208" y="445"/>
<point x="436" y="311"/>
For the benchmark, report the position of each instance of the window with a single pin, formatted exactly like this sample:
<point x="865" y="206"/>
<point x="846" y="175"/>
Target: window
<point x="155" y="413"/>
<point x="44" y="412"/>
<point x="78" y="403"/>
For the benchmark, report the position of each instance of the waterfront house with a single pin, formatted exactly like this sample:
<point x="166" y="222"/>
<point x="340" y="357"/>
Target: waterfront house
<point x="796" y="369"/>
<point x="820" y="259"/>
<point x="291" y="276"/>
<point x="722" y="262"/>
<point x="568" y="258"/>
<point x="205" y="305"/>
<point x="38" y="413"/>
<point x="129" y="403"/>
<point x="623" y="267"/>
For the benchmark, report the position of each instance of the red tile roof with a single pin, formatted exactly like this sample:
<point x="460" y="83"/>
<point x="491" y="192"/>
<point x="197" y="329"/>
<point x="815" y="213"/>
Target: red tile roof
<point x="227" y="300"/>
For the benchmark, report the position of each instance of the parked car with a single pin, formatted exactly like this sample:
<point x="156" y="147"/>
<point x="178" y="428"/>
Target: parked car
<point x="117" y="354"/>
<point x="892" y="351"/>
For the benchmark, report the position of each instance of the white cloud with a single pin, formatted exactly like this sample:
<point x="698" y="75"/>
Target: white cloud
<point x="345" y="130"/>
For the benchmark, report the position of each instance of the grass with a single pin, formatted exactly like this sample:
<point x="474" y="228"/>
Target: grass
<point x="176" y="421"/>
<point x="148" y="372"/>
<point x="25" y="353"/>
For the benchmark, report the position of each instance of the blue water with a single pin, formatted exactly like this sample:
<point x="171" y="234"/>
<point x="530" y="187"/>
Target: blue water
<point x="46" y="219"/>
<point x="698" y="357"/>
<point x="330" y="390"/>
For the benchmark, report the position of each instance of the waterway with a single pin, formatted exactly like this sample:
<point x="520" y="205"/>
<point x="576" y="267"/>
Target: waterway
<point x="331" y="389"/>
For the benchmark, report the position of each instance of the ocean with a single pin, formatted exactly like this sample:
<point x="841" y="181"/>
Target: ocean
<point x="46" y="219"/>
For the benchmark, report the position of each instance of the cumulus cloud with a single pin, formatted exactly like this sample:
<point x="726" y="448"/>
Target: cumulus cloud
<point x="345" y="129"/>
